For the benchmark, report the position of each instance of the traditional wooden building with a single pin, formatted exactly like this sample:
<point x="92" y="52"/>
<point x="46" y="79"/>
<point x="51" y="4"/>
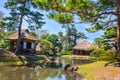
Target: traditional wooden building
<point x="83" y="48"/>
<point x="27" y="42"/>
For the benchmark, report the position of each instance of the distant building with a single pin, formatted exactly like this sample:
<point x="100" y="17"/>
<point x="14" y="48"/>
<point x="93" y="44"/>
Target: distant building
<point x="83" y="48"/>
<point x="27" y="42"/>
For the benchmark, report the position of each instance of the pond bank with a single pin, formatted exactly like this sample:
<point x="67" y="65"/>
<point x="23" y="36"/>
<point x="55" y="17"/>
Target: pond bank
<point x="76" y="56"/>
<point x="9" y="58"/>
<point x="97" y="71"/>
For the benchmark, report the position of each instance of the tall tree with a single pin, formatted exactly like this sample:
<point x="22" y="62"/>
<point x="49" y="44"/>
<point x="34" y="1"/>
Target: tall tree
<point x="31" y="15"/>
<point x="72" y="35"/>
<point x="110" y="36"/>
<point x="54" y="39"/>
<point x="23" y="10"/>
<point x="108" y="39"/>
<point x="97" y="12"/>
<point x="45" y="46"/>
<point x="1" y="20"/>
<point x="98" y="41"/>
<point x="1" y="25"/>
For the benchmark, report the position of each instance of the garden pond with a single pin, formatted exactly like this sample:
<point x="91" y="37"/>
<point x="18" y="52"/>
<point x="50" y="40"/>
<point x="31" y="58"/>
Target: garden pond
<point x="42" y="73"/>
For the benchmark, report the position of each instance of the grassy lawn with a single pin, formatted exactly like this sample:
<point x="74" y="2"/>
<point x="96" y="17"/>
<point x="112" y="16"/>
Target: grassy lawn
<point x="89" y="70"/>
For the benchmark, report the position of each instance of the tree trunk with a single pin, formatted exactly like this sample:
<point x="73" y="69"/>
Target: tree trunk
<point x="19" y="30"/>
<point x="118" y="33"/>
<point x="19" y="36"/>
<point x="118" y="24"/>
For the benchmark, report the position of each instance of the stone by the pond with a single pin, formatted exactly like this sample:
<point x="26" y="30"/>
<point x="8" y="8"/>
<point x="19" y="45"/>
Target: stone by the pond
<point x="69" y="67"/>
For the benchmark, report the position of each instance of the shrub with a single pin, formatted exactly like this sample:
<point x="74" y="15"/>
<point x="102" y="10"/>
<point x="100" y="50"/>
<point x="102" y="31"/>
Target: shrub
<point x="8" y="59"/>
<point x="66" y="52"/>
<point x="109" y="55"/>
<point x="100" y="54"/>
<point x="97" y="52"/>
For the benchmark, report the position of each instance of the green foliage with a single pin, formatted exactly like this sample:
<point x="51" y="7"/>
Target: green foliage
<point x="110" y="32"/>
<point x="1" y="34"/>
<point x="111" y="4"/>
<point x="54" y="40"/>
<point x="5" y="43"/>
<point x="1" y="21"/>
<point x="44" y="36"/>
<point x="71" y="37"/>
<point x="61" y="18"/>
<point x="109" y="55"/>
<point x="97" y="52"/>
<point x="102" y="43"/>
<point x="9" y="33"/>
<point x="96" y="12"/>
<point x="86" y="10"/>
<point x="17" y="8"/>
<point x="98" y="41"/>
<point x="95" y="28"/>
<point x="45" y="46"/>
<point x="90" y="49"/>
<point x="100" y="54"/>
<point x="66" y="52"/>
<point x="110" y="36"/>
<point x="8" y="59"/>
<point x="33" y="33"/>
<point x="108" y="39"/>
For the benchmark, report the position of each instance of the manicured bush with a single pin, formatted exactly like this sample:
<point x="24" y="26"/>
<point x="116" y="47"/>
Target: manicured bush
<point x="100" y="54"/>
<point x="109" y="55"/>
<point x="97" y="52"/>
<point x="66" y="52"/>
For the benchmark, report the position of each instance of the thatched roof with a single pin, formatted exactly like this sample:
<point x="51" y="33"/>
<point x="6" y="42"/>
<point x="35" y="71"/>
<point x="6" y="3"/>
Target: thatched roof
<point x="83" y="45"/>
<point x="25" y="35"/>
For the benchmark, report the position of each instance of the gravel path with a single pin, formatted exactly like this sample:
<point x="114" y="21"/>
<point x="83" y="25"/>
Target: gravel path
<point x="108" y="73"/>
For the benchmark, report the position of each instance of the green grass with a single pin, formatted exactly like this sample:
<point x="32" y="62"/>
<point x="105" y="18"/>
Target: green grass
<point x="22" y="60"/>
<point x="11" y="63"/>
<point x="89" y="70"/>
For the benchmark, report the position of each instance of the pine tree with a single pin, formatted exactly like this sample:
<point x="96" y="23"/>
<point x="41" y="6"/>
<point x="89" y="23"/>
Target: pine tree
<point x="96" y="12"/>
<point x="22" y="10"/>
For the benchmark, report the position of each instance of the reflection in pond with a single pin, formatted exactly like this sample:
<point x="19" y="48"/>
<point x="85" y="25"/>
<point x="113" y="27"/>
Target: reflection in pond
<point x="38" y="73"/>
<point x="16" y="73"/>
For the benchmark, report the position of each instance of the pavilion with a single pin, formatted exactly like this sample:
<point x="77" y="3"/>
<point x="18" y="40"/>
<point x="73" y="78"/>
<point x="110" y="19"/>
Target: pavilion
<point x="83" y="48"/>
<point x="27" y="42"/>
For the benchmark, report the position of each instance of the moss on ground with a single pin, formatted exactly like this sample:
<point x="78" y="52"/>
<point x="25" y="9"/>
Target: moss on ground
<point x="11" y="59"/>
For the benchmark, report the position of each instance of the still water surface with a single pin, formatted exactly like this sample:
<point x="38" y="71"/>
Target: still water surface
<point x="38" y="73"/>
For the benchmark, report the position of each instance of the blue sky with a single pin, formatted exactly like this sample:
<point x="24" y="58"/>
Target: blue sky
<point x="54" y="27"/>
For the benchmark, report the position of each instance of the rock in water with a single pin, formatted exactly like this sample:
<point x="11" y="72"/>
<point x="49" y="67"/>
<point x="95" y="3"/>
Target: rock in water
<point x="69" y="67"/>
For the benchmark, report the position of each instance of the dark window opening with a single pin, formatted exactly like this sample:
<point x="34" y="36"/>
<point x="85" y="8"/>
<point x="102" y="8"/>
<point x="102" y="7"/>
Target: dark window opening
<point x="28" y="45"/>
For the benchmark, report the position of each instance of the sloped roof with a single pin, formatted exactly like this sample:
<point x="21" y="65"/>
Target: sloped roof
<point x="24" y="35"/>
<point x="83" y="45"/>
